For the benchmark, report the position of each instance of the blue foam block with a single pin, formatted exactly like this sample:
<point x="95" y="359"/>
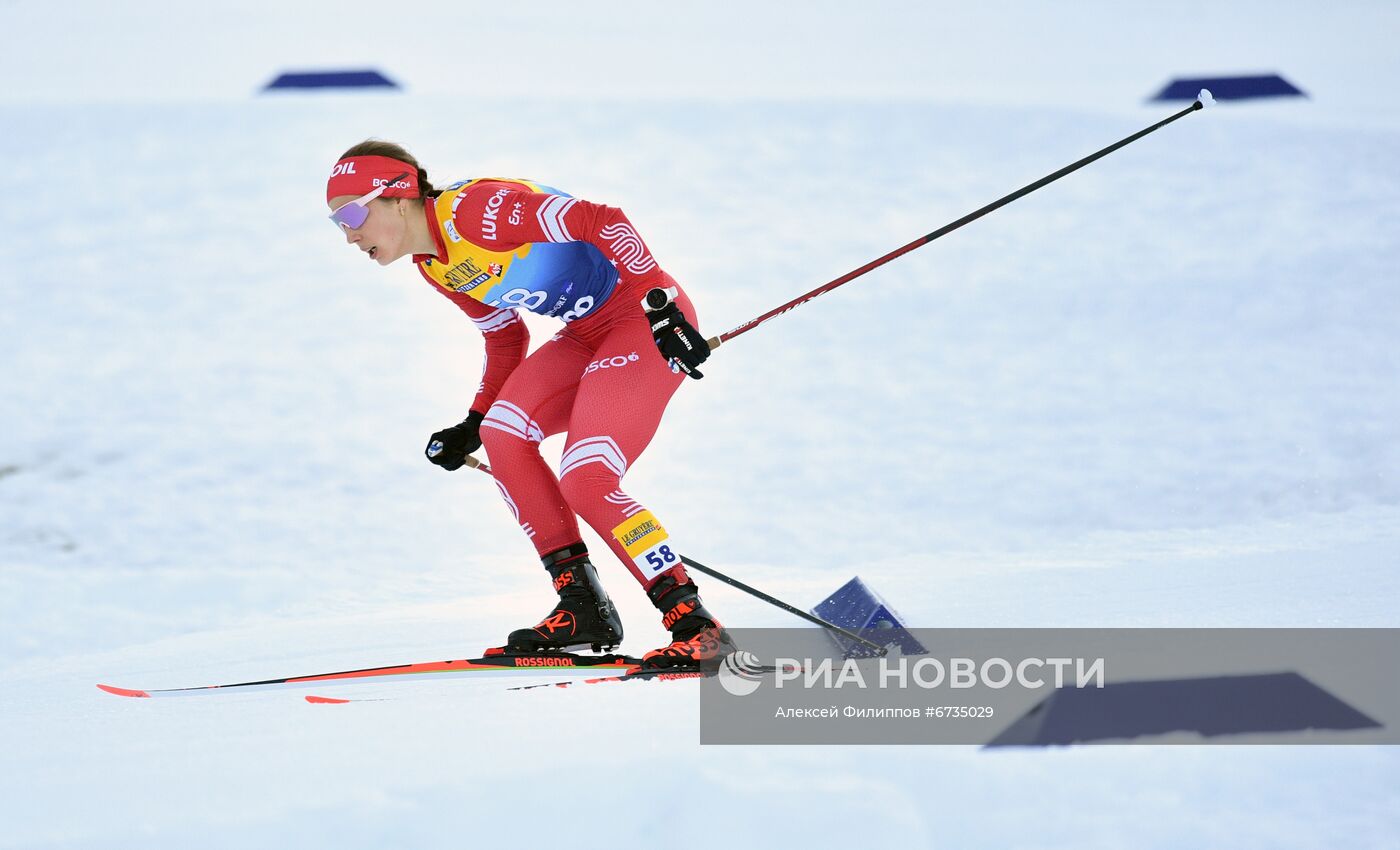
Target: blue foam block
<point x="858" y="608"/>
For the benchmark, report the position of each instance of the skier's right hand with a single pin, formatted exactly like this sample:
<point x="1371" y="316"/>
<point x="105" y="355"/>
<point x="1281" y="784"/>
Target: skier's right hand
<point x="449" y="447"/>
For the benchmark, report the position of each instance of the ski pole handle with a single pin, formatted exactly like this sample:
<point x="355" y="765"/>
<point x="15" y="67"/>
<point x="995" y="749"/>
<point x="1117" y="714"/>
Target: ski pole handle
<point x="435" y="448"/>
<point x="658" y="298"/>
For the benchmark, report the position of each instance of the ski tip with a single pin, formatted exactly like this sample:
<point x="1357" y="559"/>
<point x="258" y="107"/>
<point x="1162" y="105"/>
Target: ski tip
<point x="123" y="692"/>
<point x="315" y="700"/>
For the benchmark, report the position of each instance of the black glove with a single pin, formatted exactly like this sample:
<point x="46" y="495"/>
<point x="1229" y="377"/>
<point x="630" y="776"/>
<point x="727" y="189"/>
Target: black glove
<point x="449" y="447"/>
<point x="675" y="337"/>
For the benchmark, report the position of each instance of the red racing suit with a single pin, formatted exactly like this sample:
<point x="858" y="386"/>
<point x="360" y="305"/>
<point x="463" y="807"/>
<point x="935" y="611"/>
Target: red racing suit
<point x="503" y="245"/>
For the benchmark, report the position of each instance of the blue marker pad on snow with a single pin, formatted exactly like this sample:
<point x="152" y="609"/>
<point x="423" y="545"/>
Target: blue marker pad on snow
<point x="1207" y="706"/>
<point x="858" y="608"/>
<point x="351" y="80"/>
<point x="1229" y="88"/>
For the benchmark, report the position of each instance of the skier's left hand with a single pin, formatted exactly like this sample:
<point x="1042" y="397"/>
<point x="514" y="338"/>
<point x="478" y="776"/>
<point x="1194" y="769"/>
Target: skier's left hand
<point x="678" y="340"/>
<point x="449" y="447"/>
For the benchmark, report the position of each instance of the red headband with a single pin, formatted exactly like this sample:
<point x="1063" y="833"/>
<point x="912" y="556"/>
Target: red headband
<point x="360" y="175"/>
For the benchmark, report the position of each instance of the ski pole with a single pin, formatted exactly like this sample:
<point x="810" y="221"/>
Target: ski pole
<point x="752" y="591"/>
<point x="1203" y="100"/>
<point x="658" y="298"/>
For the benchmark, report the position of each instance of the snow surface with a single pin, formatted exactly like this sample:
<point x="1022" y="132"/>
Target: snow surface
<point x="1161" y="392"/>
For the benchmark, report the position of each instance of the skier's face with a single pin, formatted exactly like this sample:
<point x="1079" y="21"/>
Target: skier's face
<point x="384" y="234"/>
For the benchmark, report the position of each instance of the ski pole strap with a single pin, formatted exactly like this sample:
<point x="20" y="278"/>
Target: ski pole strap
<point x="781" y="604"/>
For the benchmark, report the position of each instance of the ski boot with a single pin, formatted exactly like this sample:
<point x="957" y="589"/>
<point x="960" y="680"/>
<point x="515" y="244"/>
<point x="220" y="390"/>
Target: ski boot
<point x="698" y="641"/>
<point x="584" y="618"/>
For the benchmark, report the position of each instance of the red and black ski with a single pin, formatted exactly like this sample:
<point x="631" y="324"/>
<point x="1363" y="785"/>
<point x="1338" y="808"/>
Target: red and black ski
<point x="495" y="663"/>
<point x="669" y="674"/>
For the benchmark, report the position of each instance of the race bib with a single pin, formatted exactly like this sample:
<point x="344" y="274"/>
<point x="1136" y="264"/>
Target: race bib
<point x="647" y="544"/>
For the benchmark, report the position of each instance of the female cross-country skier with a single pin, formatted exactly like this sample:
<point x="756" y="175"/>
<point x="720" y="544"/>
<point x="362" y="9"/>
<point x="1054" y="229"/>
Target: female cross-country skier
<point x="493" y="247"/>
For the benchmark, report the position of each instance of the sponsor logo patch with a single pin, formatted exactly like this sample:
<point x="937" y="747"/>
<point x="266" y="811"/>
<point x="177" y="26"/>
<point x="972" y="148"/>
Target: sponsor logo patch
<point x="465" y="276"/>
<point x="610" y="363"/>
<point x="488" y="216"/>
<point x="544" y="662"/>
<point x="647" y="544"/>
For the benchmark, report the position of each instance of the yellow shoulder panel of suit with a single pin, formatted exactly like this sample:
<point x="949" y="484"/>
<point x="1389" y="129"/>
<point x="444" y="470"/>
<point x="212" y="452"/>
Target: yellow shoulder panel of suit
<point x="469" y="266"/>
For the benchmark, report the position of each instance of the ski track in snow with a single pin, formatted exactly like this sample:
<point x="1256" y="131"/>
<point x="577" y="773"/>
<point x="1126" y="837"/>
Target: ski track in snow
<point x="1160" y="392"/>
